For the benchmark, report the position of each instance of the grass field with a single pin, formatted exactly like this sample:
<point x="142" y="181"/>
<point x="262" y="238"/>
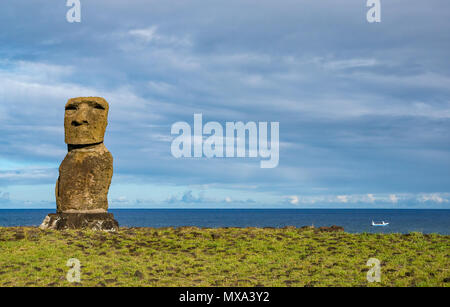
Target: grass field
<point x="190" y="256"/>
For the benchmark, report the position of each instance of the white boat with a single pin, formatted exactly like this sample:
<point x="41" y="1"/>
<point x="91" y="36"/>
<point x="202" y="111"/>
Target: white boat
<point x="383" y="223"/>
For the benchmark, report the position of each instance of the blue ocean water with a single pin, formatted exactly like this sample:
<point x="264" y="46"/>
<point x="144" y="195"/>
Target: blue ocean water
<point x="353" y="220"/>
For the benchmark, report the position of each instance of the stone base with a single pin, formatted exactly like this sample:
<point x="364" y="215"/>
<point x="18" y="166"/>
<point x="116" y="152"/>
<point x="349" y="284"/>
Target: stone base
<point x="95" y="221"/>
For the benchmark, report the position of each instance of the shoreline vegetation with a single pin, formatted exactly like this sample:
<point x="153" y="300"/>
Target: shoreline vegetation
<point x="191" y="256"/>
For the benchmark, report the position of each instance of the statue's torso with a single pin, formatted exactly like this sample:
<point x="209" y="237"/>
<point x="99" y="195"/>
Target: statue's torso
<point x="84" y="179"/>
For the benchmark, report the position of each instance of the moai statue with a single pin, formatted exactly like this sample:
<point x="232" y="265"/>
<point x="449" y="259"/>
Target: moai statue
<point x="85" y="174"/>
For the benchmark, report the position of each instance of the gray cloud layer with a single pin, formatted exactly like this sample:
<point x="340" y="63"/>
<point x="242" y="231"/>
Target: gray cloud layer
<point x="363" y="108"/>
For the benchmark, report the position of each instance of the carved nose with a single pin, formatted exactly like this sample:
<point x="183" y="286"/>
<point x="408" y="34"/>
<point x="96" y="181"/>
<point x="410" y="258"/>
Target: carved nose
<point x="77" y="123"/>
<point x="80" y="117"/>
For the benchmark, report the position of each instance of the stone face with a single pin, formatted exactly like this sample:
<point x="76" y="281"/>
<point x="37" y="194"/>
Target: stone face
<point x="84" y="178"/>
<point x="95" y="221"/>
<point x="85" y="174"/>
<point x="85" y="120"/>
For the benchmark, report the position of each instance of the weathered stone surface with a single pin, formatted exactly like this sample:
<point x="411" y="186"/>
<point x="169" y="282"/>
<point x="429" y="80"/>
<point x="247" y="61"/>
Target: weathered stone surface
<point x="86" y="171"/>
<point x="95" y="221"/>
<point x="84" y="179"/>
<point x="85" y="120"/>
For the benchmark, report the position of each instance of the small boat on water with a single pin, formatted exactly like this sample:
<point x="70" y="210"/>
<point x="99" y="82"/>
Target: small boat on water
<point x="383" y="223"/>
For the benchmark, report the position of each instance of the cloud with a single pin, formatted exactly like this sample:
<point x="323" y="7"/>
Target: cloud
<point x="393" y="198"/>
<point x="342" y="198"/>
<point x="151" y="35"/>
<point x="400" y="200"/>
<point x="121" y="200"/>
<point x="187" y="197"/>
<point x="201" y="200"/>
<point x="349" y="63"/>
<point x="28" y="176"/>
<point x="4" y="197"/>
<point x="148" y="34"/>
<point x="371" y="198"/>
<point x="293" y="199"/>
<point x="356" y="113"/>
<point x="433" y="198"/>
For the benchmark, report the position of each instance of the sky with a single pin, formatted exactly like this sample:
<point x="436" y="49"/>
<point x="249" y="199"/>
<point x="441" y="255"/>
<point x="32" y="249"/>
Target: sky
<point x="363" y="108"/>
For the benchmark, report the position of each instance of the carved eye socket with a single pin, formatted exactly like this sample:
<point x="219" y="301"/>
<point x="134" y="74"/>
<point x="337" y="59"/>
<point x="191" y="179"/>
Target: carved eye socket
<point x="71" y="107"/>
<point x="99" y="106"/>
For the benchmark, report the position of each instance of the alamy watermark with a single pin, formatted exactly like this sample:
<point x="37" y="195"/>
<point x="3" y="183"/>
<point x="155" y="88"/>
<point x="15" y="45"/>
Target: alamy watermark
<point x="374" y="273"/>
<point x="374" y="13"/>
<point x="230" y="145"/>
<point x="74" y="13"/>
<point x="74" y="274"/>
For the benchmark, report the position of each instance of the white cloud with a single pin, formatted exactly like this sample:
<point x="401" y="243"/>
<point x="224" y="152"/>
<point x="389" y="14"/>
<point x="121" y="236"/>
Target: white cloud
<point x="293" y="199"/>
<point x="30" y="175"/>
<point x="152" y="35"/>
<point x="342" y="198"/>
<point x="349" y="63"/>
<point x="4" y="197"/>
<point x="161" y="87"/>
<point x="44" y="150"/>
<point x="147" y="34"/>
<point x="393" y="198"/>
<point x="370" y="199"/>
<point x="432" y="198"/>
<point x="120" y="200"/>
<point x="27" y="84"/>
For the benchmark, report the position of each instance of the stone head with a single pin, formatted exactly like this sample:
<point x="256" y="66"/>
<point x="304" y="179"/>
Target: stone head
<point x="85" y="120"/>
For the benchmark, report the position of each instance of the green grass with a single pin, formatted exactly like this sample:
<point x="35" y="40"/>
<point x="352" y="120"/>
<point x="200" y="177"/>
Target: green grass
<point x="190" y="256"/>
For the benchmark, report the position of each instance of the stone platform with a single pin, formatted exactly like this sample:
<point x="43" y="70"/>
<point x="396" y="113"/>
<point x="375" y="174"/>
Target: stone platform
<point x="95" y="221"/>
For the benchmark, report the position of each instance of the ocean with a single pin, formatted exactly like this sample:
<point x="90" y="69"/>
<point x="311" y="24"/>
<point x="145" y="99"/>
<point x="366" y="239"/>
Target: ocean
<point x="353" y="220"/>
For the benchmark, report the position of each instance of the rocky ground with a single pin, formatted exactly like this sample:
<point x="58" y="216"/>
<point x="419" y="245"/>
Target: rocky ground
<point x="190" y="256"/>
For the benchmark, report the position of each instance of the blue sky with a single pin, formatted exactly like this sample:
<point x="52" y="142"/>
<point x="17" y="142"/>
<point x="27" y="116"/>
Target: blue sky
<point x="364" y="108"/>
